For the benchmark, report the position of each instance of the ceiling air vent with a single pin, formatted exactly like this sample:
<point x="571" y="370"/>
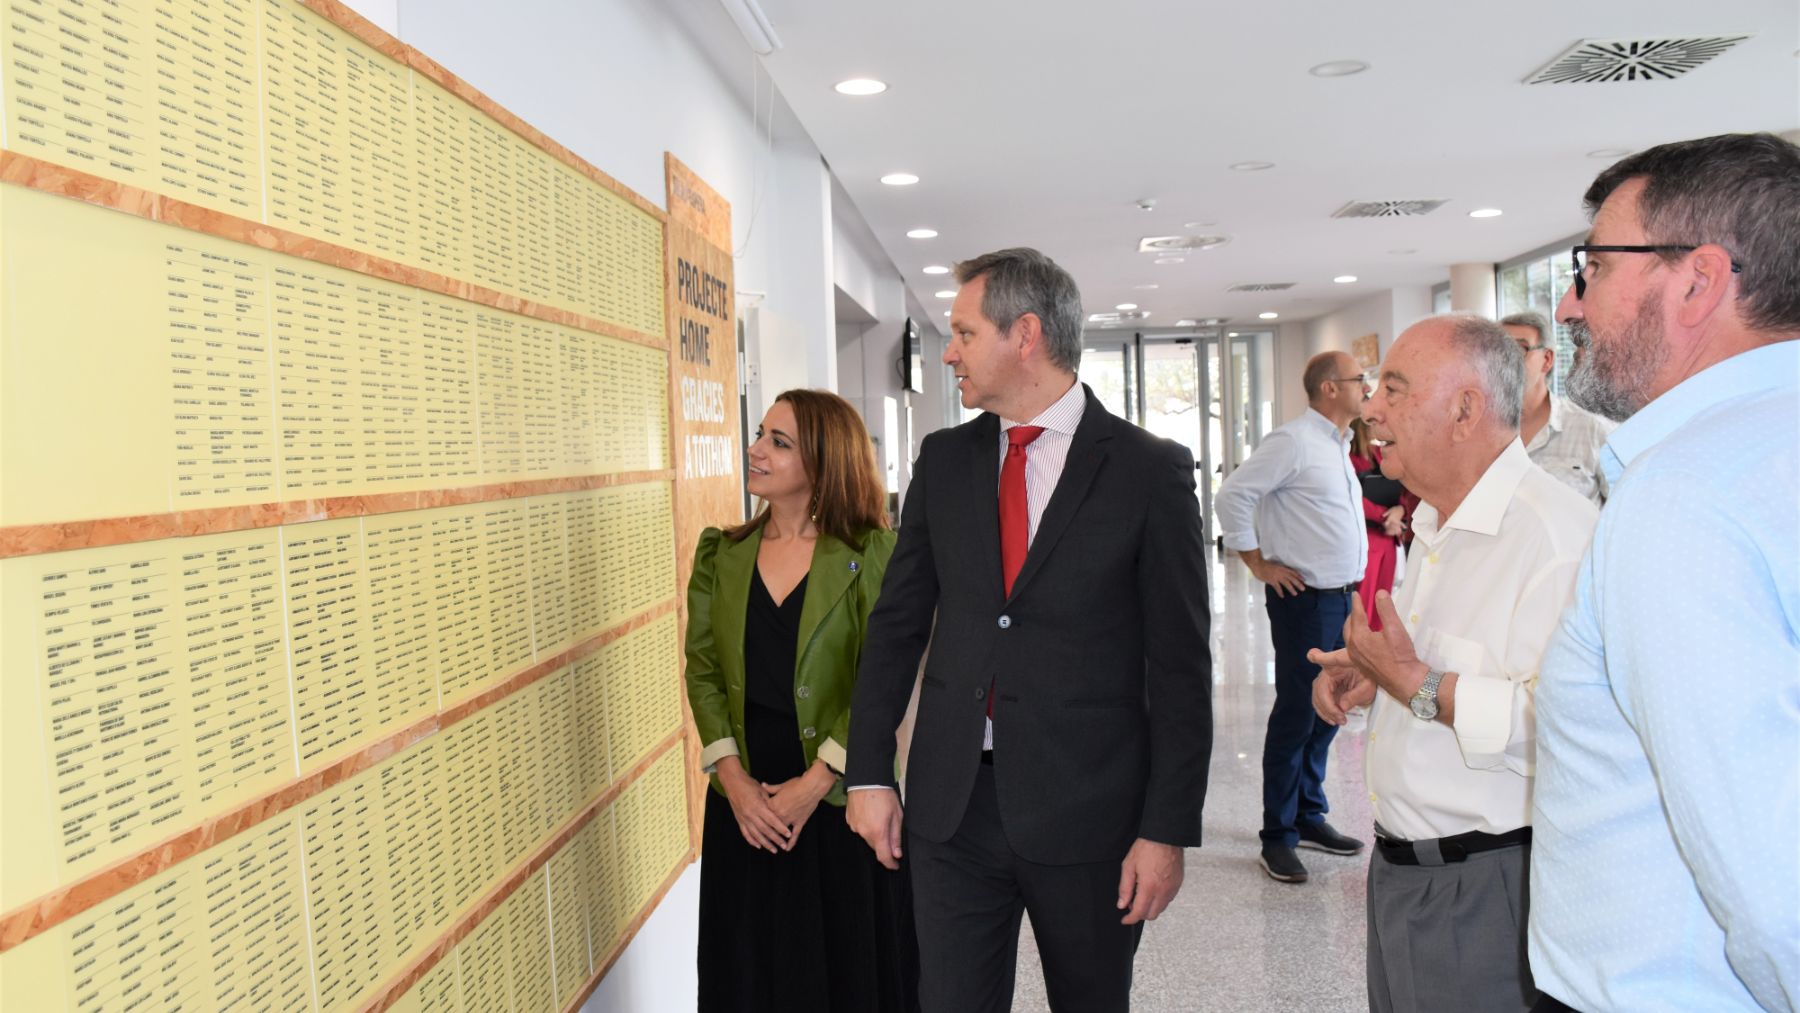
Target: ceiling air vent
<point x="1179" y="244"/>
<point x="1593" y="61"/>
<point x="1262" y="286"/>
<point x="1387" y="208"/>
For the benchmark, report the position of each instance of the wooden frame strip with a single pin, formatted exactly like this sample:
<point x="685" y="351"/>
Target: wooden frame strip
<point x="49" y="177"/>
<point x="59" y="905"/>
<point x="36" y="539"/>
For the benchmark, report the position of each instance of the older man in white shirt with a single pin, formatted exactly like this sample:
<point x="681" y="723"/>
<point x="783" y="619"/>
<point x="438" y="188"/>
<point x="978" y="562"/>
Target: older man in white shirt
<point x="1452" y="674"/>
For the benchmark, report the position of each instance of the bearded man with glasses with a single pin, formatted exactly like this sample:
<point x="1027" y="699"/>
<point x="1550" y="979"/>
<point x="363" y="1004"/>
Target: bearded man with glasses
<point x="1667" y="804"/>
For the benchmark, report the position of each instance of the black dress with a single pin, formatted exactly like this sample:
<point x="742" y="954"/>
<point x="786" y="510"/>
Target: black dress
<point x="822" y="928"/>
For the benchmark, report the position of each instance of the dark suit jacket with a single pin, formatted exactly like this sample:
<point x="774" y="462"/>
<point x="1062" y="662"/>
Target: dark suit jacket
<point x="1099" y="659"/>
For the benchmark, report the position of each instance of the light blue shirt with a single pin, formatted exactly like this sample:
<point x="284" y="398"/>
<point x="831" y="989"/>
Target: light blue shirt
<point x="1665" y="869"/>
<point x="1298" y="500"/>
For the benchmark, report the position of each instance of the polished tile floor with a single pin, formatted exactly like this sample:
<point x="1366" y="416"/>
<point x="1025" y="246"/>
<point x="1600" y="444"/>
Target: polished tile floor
<point x="1235" y="940"/>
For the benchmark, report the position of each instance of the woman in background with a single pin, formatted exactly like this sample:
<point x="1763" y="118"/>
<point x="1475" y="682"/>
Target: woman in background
<point x="795" y="912"/>
<point x="1387" y="507"/>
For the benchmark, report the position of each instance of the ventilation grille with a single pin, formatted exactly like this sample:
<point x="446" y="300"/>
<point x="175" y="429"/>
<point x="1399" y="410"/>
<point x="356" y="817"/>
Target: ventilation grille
<point x="1262" y="286"/>
<point x="1388" y="208"/>
<point x="1179" y="244"/>
<point x="1592" y="61"/>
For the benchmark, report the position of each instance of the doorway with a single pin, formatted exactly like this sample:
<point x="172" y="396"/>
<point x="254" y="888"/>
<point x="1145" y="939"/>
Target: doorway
<point x="1207" y="389"/>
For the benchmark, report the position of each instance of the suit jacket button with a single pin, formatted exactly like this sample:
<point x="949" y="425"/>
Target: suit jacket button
<point x="809" y="731"/>
<point x="803" y="692"/>
<point x="1006" y="622"/>
<point x="981" y="692"/>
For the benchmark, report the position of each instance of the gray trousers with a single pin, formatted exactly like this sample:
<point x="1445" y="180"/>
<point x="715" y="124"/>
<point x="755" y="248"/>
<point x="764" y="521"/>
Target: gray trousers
<point x="1450" y="937"/>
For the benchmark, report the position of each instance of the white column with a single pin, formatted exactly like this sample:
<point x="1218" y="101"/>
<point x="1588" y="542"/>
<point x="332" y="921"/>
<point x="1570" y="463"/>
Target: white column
<point x="1472" y="289"/>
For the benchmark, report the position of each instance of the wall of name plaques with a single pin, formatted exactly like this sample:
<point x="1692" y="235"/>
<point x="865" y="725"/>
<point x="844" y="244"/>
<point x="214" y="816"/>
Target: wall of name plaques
<point x="339" y="613"/>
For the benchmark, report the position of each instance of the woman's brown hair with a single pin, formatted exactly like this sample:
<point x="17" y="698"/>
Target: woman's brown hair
<point x="1359" y="439"/>
<point x="848" y="499"/>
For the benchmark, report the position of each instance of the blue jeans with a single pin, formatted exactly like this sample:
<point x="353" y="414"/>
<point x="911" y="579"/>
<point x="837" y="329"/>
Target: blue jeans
<point x="1298" y="740"/>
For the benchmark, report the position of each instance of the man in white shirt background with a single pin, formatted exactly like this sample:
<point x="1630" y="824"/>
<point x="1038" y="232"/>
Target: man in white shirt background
<point x="1562" y="438"/>
<point x="1451" y="676"/>
<point x="1293" y="511"/>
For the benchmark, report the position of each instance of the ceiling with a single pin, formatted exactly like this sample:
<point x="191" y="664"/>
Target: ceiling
<point x="1043" y="123"/>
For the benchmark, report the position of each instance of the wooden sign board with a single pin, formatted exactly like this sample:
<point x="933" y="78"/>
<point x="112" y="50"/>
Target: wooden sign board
<point x="707" y="446"/>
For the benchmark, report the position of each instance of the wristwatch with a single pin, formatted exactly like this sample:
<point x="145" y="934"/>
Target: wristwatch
<point x="1424" y="703"/>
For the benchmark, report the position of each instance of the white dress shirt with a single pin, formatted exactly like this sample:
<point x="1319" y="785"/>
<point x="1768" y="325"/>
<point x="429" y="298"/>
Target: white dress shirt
<point x="1568" y="447"/>
<point x="1297" y="498"/>
<point x="1482" y="596"/>
<point x="1044" y="459"/>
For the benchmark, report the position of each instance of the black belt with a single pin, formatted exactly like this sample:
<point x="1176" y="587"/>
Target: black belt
<point x="1444" y="850"/>
<point x="1346" y="589"/>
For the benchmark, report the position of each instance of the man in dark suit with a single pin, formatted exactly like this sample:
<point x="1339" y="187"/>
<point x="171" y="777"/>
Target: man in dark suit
<point x="1051" y="554"/>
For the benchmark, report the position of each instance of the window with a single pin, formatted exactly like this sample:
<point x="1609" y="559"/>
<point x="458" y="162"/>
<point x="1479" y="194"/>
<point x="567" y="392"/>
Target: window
<point x="1536" y="282"/>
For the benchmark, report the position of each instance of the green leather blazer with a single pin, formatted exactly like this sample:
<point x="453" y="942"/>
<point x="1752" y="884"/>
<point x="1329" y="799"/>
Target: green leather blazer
<point x="841" y="588"/>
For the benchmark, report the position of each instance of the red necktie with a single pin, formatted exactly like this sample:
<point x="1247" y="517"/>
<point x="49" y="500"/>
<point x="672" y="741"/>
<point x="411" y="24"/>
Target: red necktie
<point x="1015" y="512"/>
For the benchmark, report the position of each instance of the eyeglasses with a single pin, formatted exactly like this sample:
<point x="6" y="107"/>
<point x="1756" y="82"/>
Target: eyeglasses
<point x="1578" y="253"/>
<point x="1350" y="379"/>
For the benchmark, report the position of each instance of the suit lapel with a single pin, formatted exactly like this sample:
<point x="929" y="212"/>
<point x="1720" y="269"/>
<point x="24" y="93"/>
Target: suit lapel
<point x="835" y="566"/>
<point x="1086" y="453"/>
<point x="984" y="491"/>
<point x="737" y="561"/>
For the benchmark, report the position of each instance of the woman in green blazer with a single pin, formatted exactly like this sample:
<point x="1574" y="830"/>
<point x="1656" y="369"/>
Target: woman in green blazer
<point x="795" y="912"/>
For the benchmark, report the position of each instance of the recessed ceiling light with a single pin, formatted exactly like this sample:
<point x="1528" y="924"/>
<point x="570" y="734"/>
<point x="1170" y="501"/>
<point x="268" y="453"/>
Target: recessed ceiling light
<point x="1270" y="315"/>
<point x="945" y="294"/>
<point x="1252" y="166"/>
<point x="1171" y="260"/>
<point x="1486" y="213"/>
<point x="1344" y="279"/>
<point x="1126" y="306"/>
<point x="946" y="312"/>
<point x="1231" y="334"/>
<point x="921" y="234"/>
<point x="1338" y="68"/>
<point x="1146" y="288"/>
<point x="1404" y="252"/>
<point x="1186" y="323"/>
<point x="1609" y="153"/>
<point x="937" y="269"/>
<point x="860" y="86"/>
<point x="1198" y="225"/>
<point x="899" y="179"/>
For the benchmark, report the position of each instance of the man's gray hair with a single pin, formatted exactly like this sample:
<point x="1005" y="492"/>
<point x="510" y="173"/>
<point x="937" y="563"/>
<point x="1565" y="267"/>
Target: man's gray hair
<point x="1495" y="357"/>
<point x="1741" y="191"/>
<point x="1536" y="321"/>
<point x="1021" y="281"/>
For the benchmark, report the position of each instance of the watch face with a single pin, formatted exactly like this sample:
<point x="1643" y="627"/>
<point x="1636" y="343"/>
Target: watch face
<point x="1423" y="708"/>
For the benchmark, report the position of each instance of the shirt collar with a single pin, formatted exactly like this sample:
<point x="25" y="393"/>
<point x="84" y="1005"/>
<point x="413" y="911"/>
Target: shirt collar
<point x="1313" y="418"/>
<point x="1063" y="415"/>
<point x="1556" y="414"/>
<point x="1770" y="366"/>
<point x="1482" y="510"/>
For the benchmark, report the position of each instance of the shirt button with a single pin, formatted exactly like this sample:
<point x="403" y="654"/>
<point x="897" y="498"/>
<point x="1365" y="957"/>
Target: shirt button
<point x="1413" y="618"/>
<point x="803" y="692"/>
<point x="809" y="731"/>
<point x="1431" y="558"/>
<point x="1005" y="622"/>
<point x="981" y="692"/>
<point x="1371" y="796"/>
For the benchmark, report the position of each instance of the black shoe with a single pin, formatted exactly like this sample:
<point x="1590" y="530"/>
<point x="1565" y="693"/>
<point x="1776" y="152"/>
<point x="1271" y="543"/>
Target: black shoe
<point x="1280" y="862"/>
<point x="1322" y="836"/>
